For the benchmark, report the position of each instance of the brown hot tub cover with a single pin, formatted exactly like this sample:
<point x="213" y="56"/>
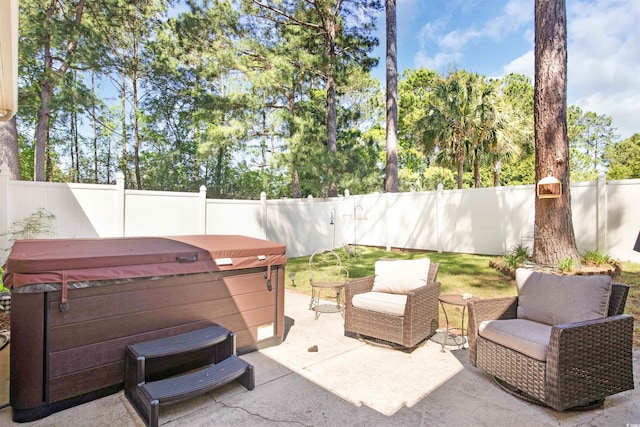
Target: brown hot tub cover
<point x="81" y="260"/>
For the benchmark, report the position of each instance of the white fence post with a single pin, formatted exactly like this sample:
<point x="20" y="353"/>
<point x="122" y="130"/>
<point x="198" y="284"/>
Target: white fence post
<point x="310" y="243"/>
<point x="601" y="214"/>
<point x="121" y="206"/>
<point x="4" y="212"/>
<point x="438" y="216"/>
<point x="203" y="209"/>
<point x="507" y="197"/>
<point x="388" y="221"/>
<point x="263" y="206"/>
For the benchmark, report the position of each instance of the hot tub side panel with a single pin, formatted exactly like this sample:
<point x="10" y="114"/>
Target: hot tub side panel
<point x="84" y="347"/>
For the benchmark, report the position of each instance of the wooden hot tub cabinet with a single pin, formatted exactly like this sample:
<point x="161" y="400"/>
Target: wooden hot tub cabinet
<point x="69" y="349"/>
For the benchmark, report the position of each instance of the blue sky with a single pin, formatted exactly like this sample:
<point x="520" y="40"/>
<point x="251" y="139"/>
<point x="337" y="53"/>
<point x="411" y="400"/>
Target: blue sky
<point x="495" y="37"/>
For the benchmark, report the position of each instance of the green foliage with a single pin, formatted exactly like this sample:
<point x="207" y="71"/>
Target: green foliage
<point x="590" y="136"/>
<point x="624" y="158"/>
<point x="2" y="288"/>
<point x="435" y="175"/>
<point x="595" y="257"/>
<point x="521" y="252"/>
<point x="522" y="172"/>
<point x="511" y="261"/>
<point x="566" y="265"/>
<point x="36" y="224"/>
<point x="517" y="256"/>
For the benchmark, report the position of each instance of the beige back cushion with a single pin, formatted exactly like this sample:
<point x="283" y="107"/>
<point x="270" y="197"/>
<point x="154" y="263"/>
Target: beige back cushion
<point x="400" y="277"/>
<point x="555" y="299"/>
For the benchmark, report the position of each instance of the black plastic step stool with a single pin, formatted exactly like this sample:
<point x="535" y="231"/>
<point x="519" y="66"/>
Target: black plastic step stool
<point x="179" y="367"/>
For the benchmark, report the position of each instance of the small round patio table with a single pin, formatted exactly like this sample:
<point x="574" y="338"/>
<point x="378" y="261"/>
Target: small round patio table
<point x="457" y="300"/>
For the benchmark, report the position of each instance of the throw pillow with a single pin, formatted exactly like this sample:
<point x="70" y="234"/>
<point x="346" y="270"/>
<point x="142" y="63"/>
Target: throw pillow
<point x="554" y="299"/>
<point x="402" y="276"/>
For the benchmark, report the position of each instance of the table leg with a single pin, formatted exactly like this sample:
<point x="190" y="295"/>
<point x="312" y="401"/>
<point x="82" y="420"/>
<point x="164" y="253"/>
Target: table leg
<point x="464" y="307"/>
<point x="446" y="330"/>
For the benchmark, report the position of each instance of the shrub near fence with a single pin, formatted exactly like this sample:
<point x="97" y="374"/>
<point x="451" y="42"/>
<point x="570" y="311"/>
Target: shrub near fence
<point x="487" y="221"/>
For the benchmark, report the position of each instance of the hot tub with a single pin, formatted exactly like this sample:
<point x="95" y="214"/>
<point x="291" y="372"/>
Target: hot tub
<point x="77" y="304"/>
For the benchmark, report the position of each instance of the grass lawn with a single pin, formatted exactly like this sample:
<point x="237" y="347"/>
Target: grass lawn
<point x="458" y="273"/>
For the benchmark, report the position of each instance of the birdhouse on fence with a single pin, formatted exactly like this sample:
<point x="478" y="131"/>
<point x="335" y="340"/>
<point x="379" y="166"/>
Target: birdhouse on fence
<point x="549" y="188"/>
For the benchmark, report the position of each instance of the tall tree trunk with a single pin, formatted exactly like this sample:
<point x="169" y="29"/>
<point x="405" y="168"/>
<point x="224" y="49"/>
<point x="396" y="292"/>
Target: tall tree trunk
<point x="218" y="177"/>
<point x="296" y="193"/>
<point x="124" y="161"/>
<point x="75" y="150"/>
<point x="9" y="153"/>
<point x="460" y="164"/>
<point x="391" y="181"/>
<point x="136" y="128"/>
<point x="41" y="136"/>
<point x="136" y="131"/>
<point x="497" y="168"/>
<point x="476" y="171"/>
<point x="47" y="84"/>
<point x="95" y="127"/>
<point x="331" y="27"/>
<point x="332" y="144"/>
<point x="554" y="238"/>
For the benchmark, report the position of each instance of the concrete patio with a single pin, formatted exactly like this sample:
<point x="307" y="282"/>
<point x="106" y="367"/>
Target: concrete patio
<point x="347" y="382"/>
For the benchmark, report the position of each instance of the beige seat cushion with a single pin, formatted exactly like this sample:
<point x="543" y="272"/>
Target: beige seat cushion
<point x="554" y="299"/>
<point x="381" y="302"/>
<point x="524" y="336"/>
<point x="402" y="276"/>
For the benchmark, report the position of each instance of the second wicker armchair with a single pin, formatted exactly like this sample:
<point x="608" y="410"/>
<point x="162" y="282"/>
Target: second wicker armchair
<point x="399" y="305"/>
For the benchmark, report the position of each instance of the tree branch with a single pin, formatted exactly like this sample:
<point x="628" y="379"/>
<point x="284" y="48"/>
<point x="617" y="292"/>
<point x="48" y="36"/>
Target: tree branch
<point x="286" y="15"/>
<point x="73" y="42"/>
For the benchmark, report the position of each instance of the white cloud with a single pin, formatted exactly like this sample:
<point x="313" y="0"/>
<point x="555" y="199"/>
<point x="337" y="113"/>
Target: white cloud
<point x="513" y="16"/>
<point x="441" y="61"/>
<point x="458" y="39"/>
<point x="430" y="31"/>
<point x="522" y="65"/>
<point x="604" y="60"/>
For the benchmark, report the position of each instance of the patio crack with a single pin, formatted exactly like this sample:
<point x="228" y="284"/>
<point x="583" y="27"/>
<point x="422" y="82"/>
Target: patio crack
<point x="275" y="420"/>
<point x="591" y="422"/>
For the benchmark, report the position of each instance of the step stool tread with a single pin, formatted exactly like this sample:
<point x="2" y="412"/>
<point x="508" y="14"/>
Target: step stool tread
<point x="195" y="383"/>
<point x="182" y="343"/>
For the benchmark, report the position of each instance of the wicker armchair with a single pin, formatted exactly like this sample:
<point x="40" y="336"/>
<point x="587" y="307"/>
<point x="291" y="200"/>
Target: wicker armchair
<point x="418" y="322"/>
<point x="585" y="361"/>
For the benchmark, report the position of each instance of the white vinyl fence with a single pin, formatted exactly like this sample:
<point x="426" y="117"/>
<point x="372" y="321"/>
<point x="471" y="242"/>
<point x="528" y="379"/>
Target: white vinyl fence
<point x="606" y="216"/>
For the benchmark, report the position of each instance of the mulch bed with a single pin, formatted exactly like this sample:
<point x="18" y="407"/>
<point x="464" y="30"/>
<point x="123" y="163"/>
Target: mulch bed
<point x="4" y="321"/>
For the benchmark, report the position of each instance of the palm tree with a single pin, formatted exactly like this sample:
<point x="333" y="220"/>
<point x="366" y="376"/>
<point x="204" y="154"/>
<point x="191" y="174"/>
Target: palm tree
<point x="451" y="119"/>
<point x="486" y="125"/>
<point x="513" y="131"/>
